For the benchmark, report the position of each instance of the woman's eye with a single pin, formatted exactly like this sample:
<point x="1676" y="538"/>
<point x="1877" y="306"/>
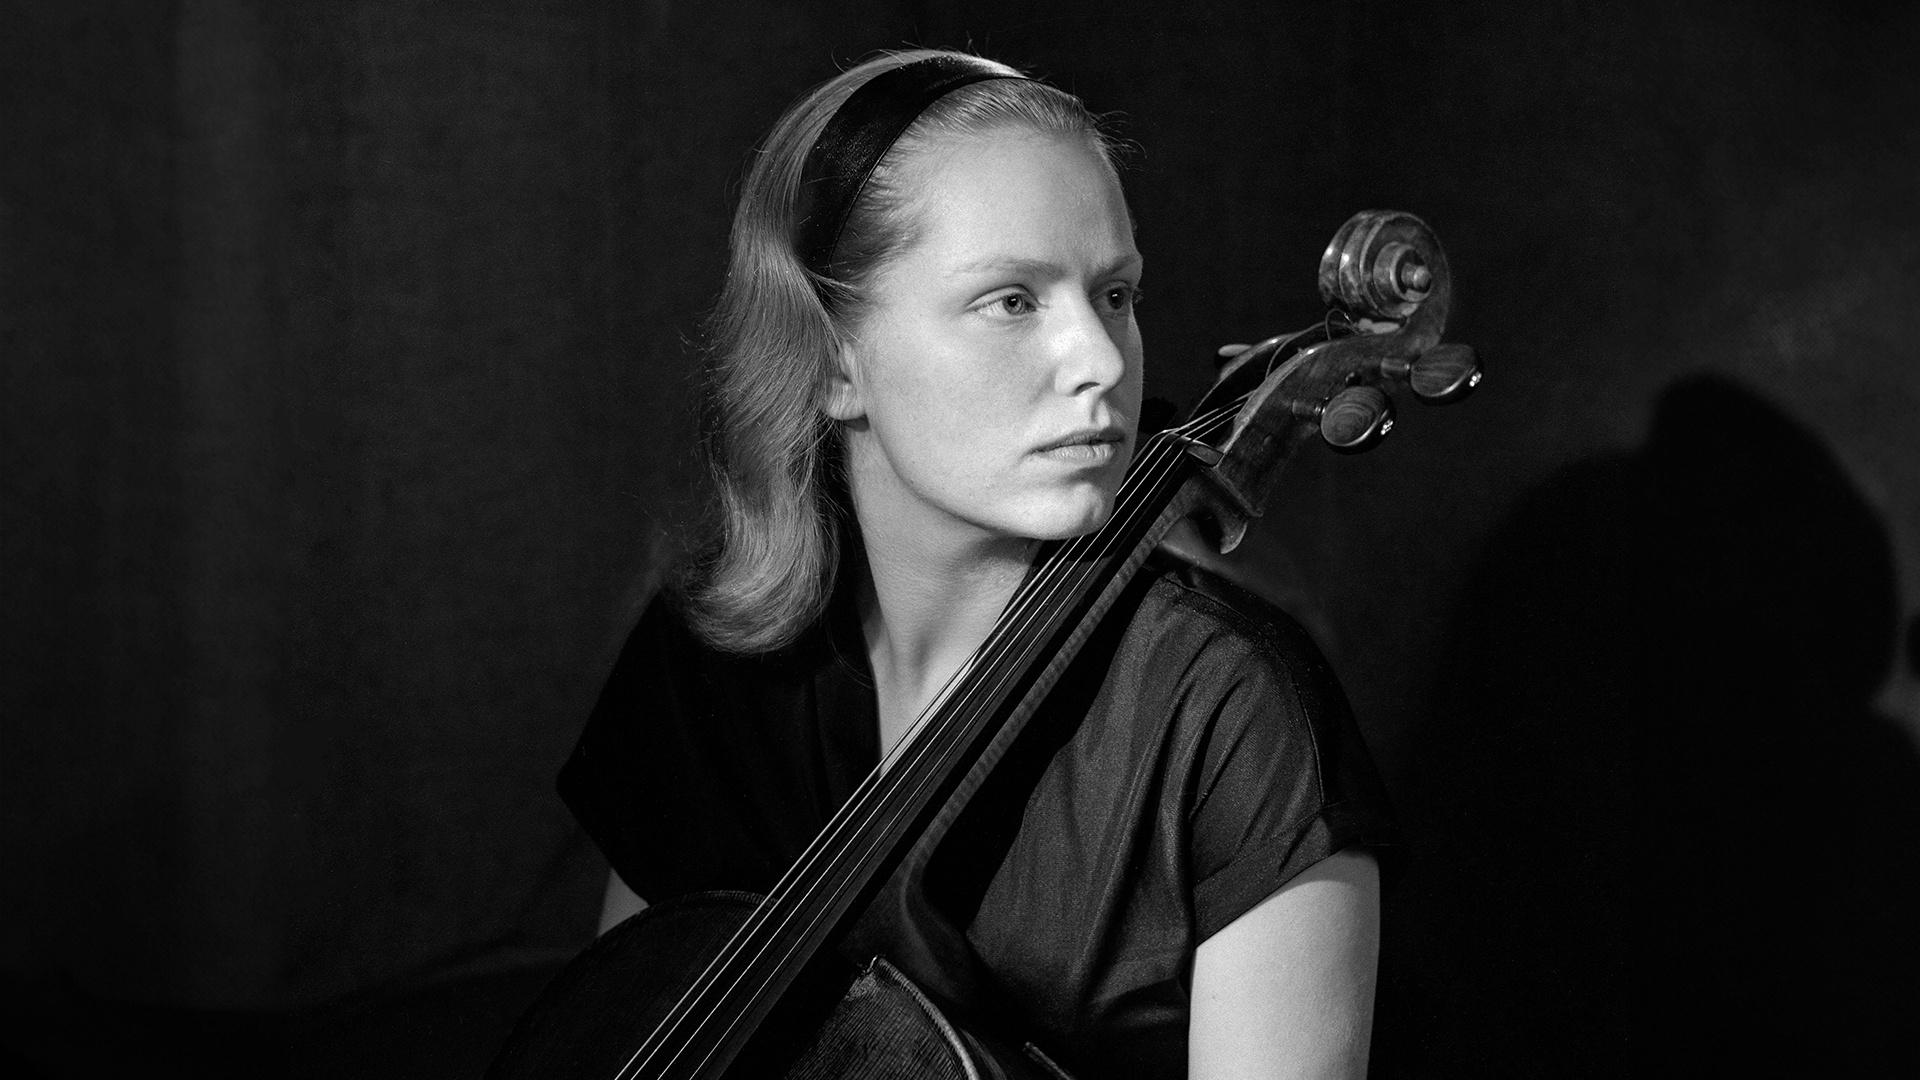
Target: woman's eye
<point x="1018" y="303"/>
<point x="1120" y="299"/>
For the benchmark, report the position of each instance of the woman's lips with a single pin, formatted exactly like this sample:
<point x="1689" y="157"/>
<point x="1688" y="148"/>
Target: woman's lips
<point x="1089" y="446"/>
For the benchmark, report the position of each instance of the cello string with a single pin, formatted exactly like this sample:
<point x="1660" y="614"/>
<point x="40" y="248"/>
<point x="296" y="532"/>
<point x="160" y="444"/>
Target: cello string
<point x="1155" y="471"/>
<point x="1012" y="659"/>
<point x="1010" y="624"/>
<point x="976" y="664"/>
<point x="817" y="857"/>
<point x="950" y="702"/>
<point x="1047" y="583"/>
<point x="929" y="744"/>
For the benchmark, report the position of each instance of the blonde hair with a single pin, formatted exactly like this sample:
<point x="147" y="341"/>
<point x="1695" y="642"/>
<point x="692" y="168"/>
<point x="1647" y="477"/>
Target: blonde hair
<point x="780" y="509"/>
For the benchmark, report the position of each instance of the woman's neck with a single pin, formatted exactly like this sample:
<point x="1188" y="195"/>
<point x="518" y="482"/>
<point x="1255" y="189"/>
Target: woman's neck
<point x="925" y="608"/>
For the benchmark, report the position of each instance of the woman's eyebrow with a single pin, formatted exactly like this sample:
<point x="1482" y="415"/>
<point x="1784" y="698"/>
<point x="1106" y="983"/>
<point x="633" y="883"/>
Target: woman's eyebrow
<point x="1045" y="269"/>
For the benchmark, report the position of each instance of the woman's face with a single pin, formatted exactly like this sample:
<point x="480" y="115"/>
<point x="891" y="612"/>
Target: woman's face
<point x="994" y="385"/>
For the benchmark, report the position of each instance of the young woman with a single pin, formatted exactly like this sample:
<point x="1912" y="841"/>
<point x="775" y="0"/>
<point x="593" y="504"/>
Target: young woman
<point x="925" y="363"/>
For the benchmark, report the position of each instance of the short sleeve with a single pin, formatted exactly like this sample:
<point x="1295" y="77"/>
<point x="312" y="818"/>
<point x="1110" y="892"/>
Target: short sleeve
<point x="701" y="770"/>
<point x="1281" y="777"/>
<point x="629" y="807"/>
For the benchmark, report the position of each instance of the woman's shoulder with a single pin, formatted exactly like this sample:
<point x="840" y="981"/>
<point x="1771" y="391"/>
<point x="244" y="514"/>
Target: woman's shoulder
<point x="665" y="643"/>
<point x="1242" y="685"/>
<point x="659" y="641"/>
<point x="1186" y="609"/>
<point x="1254" y="747"/>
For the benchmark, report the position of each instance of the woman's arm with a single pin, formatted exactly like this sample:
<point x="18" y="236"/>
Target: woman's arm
<point x="1287" y="988"/>
<point x="619" y="904"/>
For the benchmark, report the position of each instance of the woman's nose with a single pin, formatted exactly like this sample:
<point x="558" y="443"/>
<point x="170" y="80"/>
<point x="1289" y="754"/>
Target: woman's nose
<point x="1093" y="355"/>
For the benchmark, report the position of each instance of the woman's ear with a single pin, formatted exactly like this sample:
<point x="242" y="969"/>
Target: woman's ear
<point x="843" y="400"/>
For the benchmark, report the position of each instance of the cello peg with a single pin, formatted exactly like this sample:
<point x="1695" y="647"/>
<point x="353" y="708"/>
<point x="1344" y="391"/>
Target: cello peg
<point x="1355" y="419"/>
<point x="1445" y="373"/>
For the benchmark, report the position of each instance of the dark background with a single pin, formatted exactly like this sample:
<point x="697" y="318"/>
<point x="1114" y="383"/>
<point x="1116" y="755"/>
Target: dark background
<point x="346" y="357"/>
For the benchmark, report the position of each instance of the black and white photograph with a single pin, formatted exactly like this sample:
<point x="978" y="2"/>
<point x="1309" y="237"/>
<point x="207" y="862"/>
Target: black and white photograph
<point x="579" y="539"/>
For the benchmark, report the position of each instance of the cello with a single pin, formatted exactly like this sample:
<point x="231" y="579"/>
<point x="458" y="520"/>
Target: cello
<point x="733" y="985"/>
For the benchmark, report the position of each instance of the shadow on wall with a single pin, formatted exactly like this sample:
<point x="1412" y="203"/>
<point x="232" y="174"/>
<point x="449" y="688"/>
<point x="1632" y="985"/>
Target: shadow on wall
<point x="1657" y="818"/>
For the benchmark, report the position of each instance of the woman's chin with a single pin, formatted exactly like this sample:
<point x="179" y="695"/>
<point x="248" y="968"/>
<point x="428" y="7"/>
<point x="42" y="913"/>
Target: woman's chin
<point x="1076" y="516"/>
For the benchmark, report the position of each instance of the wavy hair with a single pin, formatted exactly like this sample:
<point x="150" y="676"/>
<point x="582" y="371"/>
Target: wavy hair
<point x="780" y="518"/>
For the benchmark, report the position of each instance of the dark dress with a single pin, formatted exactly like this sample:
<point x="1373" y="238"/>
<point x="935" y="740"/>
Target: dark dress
<point x="1193" y="759"/>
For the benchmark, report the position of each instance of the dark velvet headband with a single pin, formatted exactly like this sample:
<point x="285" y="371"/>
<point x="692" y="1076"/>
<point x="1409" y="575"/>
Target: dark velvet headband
<point x="860" y="133"/>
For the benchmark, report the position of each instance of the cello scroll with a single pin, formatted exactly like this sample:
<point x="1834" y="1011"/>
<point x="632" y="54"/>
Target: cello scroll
<point x="1385" y="279"/>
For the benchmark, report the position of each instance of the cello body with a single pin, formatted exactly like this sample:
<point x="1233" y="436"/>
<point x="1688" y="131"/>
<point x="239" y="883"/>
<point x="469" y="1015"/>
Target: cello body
<point x="839" y="1022"/>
